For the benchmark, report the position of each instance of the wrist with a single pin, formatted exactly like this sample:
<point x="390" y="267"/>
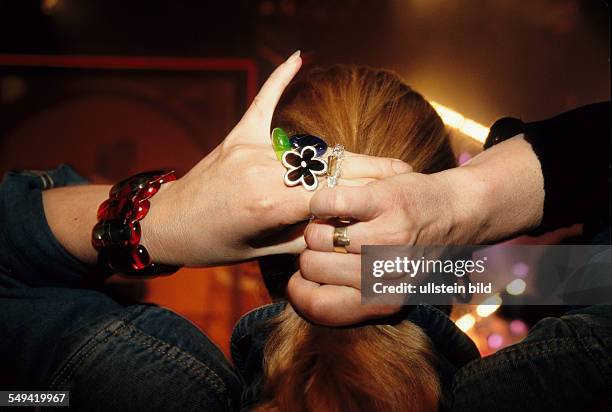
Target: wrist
<point x="468" y="194"/>
<point x="505" y="189"/>
<point x="118" y="234"/>
<point x="158" y="227"/>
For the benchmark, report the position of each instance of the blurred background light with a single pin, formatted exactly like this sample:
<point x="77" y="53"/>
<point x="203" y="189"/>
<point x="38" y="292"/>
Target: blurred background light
<point x="520" y="269"/>
<point x="516" y="287"/>
<point x="464" y="157"/>
<point x="465" y="322"/>
<point x="489" y="306"/>
<point x="457" y="121"/>
<point x="495" y="341"/>
<point x="49" y="6"/>
<point x="518" y="327"/>
<point x="12" y="89"/>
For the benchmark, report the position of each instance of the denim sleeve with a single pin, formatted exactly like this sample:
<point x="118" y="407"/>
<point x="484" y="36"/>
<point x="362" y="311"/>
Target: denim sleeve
<point x="564" y="364"/>
<point x="110" y="358"/>
<point x="28" y="250"/>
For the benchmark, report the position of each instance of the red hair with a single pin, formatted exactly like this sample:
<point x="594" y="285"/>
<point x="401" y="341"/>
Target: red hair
<point x="383" y="368"/>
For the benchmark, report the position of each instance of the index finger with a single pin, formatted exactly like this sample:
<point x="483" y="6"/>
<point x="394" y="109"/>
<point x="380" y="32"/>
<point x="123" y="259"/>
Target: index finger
<point x="363" y="166"/>
<point x="356" y="202"/>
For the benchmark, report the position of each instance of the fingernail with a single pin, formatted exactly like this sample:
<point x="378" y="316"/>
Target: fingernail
<point x="400" y="167"/>
<point x="294" y="56"/>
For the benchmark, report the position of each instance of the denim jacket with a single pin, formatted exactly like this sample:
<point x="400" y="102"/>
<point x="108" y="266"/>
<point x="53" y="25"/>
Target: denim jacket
<point x="56" y="334"/>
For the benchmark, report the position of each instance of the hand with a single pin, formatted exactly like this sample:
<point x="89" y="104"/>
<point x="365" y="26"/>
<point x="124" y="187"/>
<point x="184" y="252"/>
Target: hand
<point x="486" y="200"/>
<point x="233" y="205"/>
<point x="400" y="210"/>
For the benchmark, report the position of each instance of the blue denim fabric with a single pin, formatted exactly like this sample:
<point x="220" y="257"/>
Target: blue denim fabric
<point x="247" y="345"/>
<point x="56" y="335"/>
<point x="564" y="364"/>
<point x="28" y="250"/>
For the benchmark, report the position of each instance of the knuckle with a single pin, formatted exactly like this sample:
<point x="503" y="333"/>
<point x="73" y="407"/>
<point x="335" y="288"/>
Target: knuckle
<point x="254" y="171"/>
<point x="311" y="235"/>
<point x="337" y="201"/>
<point x="295" y="293"/>
<point x="260" y="206"/>
<point x="388" y="166"/>
<point x="383" y="167"/>
<point x="275" y="77"/>
<point x="317" y="307"/>
<point x="227" y="145"/>
<point x="236" y="153"/>
<point x="391" y="310"/>
<point x="278" y="79"/>
<point x="400" y="237"/>
<point x="304" y="263"/>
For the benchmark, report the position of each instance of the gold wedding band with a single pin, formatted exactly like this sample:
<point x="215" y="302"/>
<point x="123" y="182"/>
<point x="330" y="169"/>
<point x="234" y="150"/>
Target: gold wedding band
<point x="341" y="239"/>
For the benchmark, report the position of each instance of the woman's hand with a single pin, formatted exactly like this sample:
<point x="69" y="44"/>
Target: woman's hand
<point x="234" y="205"/>
<point x="400" y="210"/>
<point x="497" y="195"/>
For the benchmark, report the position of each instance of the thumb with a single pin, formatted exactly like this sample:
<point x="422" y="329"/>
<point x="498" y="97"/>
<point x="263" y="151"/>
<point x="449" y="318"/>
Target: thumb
<point x="259" y="115"/>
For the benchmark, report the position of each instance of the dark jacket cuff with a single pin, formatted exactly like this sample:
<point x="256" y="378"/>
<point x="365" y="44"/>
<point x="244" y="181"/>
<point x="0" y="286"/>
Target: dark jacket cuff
<point x="29" y="251"/>
<point x="574" y="153"/>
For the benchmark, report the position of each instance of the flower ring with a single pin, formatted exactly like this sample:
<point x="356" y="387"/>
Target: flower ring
<point x="302" y="167"/>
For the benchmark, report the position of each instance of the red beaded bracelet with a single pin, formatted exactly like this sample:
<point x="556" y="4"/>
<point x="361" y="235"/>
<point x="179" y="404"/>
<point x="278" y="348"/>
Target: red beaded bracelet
<point x="116" y="236"/>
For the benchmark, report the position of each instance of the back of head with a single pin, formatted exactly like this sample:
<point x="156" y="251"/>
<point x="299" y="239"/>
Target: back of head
<point x="373" y="367"/>
<point x="369" y="111"/>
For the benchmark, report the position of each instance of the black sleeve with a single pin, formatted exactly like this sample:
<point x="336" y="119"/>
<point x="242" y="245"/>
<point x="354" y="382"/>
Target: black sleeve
<point x="574" y="151"/>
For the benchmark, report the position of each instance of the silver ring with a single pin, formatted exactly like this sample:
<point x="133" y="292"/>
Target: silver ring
<point x="334" y="162"/>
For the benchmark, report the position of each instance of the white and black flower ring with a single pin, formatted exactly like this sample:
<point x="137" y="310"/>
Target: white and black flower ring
<point x="303" y="167"/>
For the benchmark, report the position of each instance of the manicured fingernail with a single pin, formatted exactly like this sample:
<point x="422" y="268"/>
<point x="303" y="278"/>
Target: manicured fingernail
<point x="400" y="167"/>
<point x="294" y="57"/>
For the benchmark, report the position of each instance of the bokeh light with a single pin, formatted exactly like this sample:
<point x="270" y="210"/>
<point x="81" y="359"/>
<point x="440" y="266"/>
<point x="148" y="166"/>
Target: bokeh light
<point x="465" y="322"/>
<point x="495" y="341"/>
<point x="516" y="287"/>
<point x="464" y="157"/>
<point x="518" y="327"/>
<point x="48" y="6"/>
<point x="520" y="269"/>
<point x="489" y="306"/>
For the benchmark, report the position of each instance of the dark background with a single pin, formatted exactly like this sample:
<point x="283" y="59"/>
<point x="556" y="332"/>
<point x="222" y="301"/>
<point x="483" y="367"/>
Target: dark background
<point x="484" y="58"/>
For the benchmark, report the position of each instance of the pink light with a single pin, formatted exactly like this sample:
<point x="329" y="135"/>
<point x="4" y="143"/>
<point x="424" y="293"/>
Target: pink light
<point x="464" y="157"/>
<point x="495" y="341"/>
<point x="518" y="327"/>
<point x="520" y="269"/>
